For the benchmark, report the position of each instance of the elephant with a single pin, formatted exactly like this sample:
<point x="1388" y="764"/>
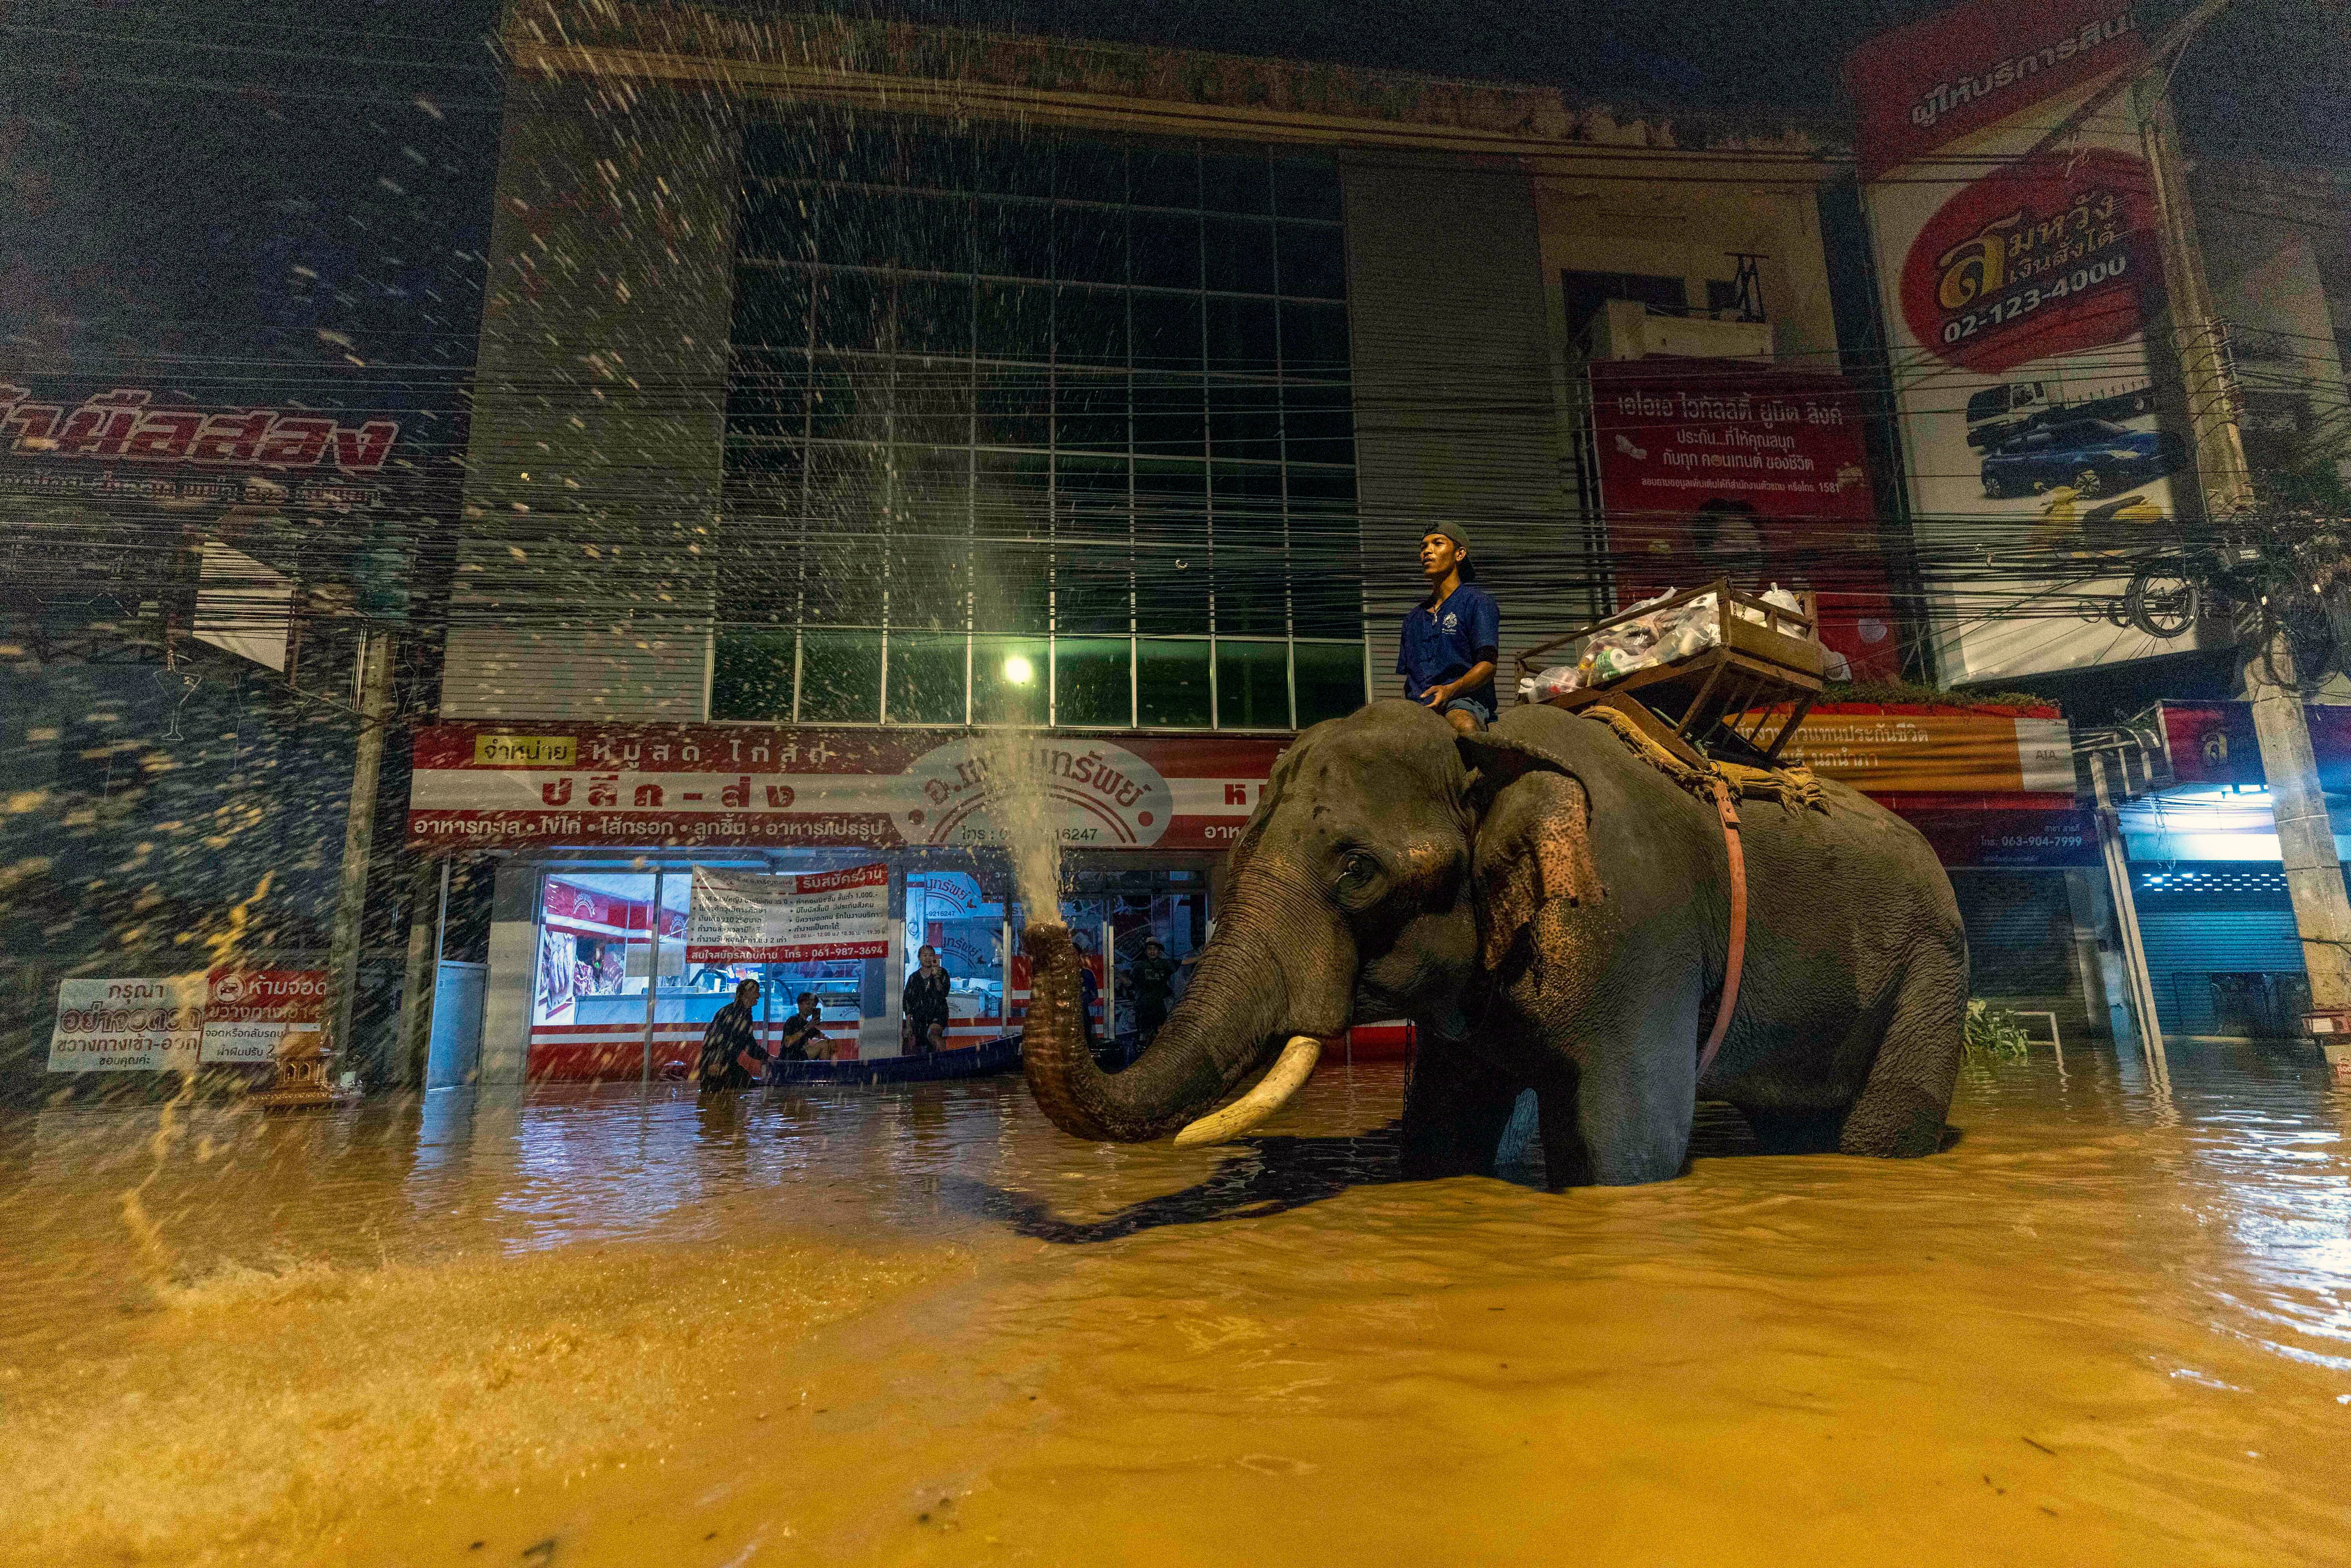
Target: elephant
<point x="1552" y="913"/>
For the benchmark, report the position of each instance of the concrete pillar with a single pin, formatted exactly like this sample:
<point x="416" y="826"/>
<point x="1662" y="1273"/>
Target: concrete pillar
<point x="514" y="974"/>
<point x="428" y="909"/>
<point x="375" y="655"/>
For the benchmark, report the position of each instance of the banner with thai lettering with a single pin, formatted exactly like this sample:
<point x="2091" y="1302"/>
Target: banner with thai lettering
<point x="1718" y="469"/>
<point x="1882" y="753"/>
<point x="2016" y="292"/>
<point x="479" y="785"/>
<point x="750" y="917"/>
<point x="132" y="444"/>
<point x="129" y="1026"/>
<point x="252" y="1014"/>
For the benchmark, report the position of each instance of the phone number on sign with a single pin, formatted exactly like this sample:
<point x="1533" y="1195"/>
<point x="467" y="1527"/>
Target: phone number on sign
<point x="2025" y="301"/>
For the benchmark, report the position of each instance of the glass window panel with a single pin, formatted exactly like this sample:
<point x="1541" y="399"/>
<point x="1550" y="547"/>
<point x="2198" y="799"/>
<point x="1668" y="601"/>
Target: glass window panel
<point x="1306" y="188"/>
<point x="1239" y="255"/>
<point x="771" y="306"/>
<point x="1313" y="339"/>
<point x="1166" y="249"/>
<point x="751" y="675"/>
<point x="1330" y="680"/>
<point x="1245" y="422"/>
<point x="1171" y="682"/>
<point x="1093" y="554"/>
<point x="780" y="147"/>
<point x="1015" y="164"/>
<point x="1086" y="171"/>
<point x="932" y="401"/>
<point x="855" y="227"/>
<point x="1242" y="336"/>
<point x="1012" y="589"/>
<point x="1011" y="492"/>
<point x="939" y="162"/>
<point x="766" y="467"/>
<point x="1094" y="682"/>
<point x="778" y="223"/>
<point x="934" y="316"/>
<point x="1089" y="244"/>
<point x="1171" y="417"/>
<point x="1252" y="574"/>
<point x="857" y="148"/>
<point x="1016" y="322"/>
<point x="934" y="233"/>
<point x="1164" y="176"/>
<point x="1089" y="326"/>
<point x="1252" y="684"/>
<point x="840" y="677"/>
<point x="1326" y="592"/>
<point x="1313" y="261"/>
<point x="926" y="677"/>
<point x="1237" y="181"/>
<point x="832" y="397"/>
<point x="1167" y="332"/>
<point x="767" y="393"/>
<point x="1010" y="680"/>
<point x="1015" y="406"/>
<point x="1015" y="239"/>
<point x="1318" y="423"/>
<point x="849" y="309"/>
<point x="1090" y="412"/>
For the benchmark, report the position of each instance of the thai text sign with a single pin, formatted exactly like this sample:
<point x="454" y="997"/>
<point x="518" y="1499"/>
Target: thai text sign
<point x="479" y="787"/>
<point x="1715" y="468"/>
<point x="128" y="1026"/>
<point x="1935" y="754"/>
<point x="250" y="1013"/>
<point x="124" y="442"/>
<point x="747" y="917"/>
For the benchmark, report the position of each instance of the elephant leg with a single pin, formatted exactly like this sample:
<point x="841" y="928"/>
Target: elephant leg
<point x="1634" y="1098"/>
<point x="1899" y="1114"/>
<point x="1455" y="1108"/>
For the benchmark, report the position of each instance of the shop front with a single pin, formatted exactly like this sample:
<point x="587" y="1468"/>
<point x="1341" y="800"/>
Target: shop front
<point x="620" y="848"/>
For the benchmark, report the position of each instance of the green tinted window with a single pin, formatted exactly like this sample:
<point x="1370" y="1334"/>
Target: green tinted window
<point x="1329" y="681"/>
<point x="1171" y="682"/>
<point x="840" y="677"/>
<point x="1252" y="684"/>
<point x="1009" y="678"/>
<point x="752" y="677"/>
<point x="926" y="679"/>
<point x="1092" y="682"/>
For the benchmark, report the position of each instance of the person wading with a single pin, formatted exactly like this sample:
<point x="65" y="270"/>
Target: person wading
<point x="925" y="1003"/>
<point x="1452" y="638"/>
<point x="1151" y="979"/>
<point x="733" y="1035"/>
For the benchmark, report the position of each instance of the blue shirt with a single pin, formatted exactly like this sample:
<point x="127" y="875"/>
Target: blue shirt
<point x="1466" y="628"/>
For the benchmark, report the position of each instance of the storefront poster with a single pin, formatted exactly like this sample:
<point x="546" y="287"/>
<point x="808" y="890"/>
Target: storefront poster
<point x="749" y="917"/>
<point x="2010" y="839"/>
<point x="249" y="1014"/>
<point x="2215" y="743"/>
<point x="1712" y="468"/>
<point x="479" y="785"/>
<point x="2017" y="294"/>
<point x="129" y="1026"/>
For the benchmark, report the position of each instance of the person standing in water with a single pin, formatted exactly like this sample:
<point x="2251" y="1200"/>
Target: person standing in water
<point x="733" y="1035"/>
<point x="925" y="1002"/>
<point x="1451" y="639"/>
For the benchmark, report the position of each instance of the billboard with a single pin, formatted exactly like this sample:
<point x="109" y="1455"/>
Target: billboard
<point x="1711" y="468"/>
<point x="2016" y="297"/>
<point x="753" y="917"/>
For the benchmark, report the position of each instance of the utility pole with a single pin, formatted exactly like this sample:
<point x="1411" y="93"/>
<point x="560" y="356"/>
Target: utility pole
<point x="2313" y="873"/>
<point x="373" y="678"/>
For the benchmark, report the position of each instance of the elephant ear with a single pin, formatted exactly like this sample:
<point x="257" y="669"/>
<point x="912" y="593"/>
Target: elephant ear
<point x="1534" y="840"/>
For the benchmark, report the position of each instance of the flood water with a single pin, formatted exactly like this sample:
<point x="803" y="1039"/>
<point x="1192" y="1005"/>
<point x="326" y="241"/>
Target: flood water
<point x="602" y="1326"/>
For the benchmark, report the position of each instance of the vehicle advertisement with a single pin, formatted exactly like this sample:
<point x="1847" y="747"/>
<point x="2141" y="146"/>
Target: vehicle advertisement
<point x="2016" y="299"/>
<point x="1711" y="468"/>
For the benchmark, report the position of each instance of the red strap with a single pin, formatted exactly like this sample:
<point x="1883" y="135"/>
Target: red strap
<point x="1732" y="966"/>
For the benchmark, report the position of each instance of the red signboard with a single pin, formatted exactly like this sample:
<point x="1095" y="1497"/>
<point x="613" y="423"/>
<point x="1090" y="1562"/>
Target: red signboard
<point x="1710" y="468"/>
<point x="479" y="785"/>
<point x="2047" y="256"/>
<point x="2007" y="836"/>
<point x="2214" y="743"/>
<point x="1926" y="85"/>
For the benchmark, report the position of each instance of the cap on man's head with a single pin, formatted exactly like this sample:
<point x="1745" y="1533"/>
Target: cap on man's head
<point x="1451" y="530"/>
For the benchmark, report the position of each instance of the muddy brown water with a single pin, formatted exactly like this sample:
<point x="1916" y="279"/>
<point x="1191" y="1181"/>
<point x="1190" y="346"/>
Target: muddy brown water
<point x="600" y="1326"/>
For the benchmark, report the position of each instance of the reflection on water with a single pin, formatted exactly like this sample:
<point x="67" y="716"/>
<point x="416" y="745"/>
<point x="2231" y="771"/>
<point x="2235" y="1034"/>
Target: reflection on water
<point x="588" y="1325"/>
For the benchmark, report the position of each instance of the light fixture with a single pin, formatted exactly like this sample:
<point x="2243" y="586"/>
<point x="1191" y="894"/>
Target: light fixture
<point x="1018" y="670"/>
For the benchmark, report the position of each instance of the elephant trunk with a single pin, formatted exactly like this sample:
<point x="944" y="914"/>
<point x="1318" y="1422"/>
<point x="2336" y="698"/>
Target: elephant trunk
<point x="1239" y="1009"/>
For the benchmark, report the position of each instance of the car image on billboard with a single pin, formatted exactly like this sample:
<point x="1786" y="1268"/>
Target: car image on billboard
<point x="2091" y="457"/>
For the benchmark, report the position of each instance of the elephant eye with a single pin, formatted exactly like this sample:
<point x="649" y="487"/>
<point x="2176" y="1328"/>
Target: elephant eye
<point x="1356" y="870"/>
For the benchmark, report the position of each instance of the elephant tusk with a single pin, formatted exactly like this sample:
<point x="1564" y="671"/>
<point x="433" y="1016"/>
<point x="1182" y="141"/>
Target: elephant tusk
<point x="1294" y="1066"/>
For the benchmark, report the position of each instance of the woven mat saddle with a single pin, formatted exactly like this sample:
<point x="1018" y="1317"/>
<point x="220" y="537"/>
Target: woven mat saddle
<point x="1793" y="788"/>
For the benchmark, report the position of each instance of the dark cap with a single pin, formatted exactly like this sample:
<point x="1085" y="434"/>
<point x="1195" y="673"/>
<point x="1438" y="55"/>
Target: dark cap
<point x="1450" y="529"/>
